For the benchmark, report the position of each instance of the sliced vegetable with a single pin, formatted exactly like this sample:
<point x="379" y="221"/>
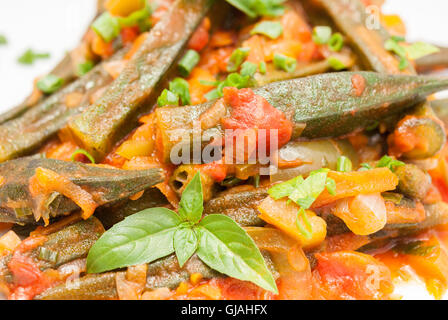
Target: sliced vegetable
<point x="101" y="125"/>
<point x="104" y="185"/>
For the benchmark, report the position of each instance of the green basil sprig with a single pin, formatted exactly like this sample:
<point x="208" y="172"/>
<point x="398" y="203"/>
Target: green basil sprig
<point x="157" y="232"/>
<point x="304" y="192"/>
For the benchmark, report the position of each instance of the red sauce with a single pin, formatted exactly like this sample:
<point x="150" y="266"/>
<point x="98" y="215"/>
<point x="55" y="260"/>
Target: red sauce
<point x="29" y="280"/>
<point x="252" y="112"/>
<point x="359" y="84"/>
<point x="200" y="37"/>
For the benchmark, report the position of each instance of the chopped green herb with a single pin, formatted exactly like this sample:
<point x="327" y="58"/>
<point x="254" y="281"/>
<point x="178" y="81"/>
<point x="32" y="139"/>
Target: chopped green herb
<point x="365" y="166"/>
<point x="336" y="64"/>
<point x="181" y="87"/>
<point x="29" y="57"/>
<point x="285" y="63"/>
<point x="336" y="42"/>
<point x="3" y="40"/>
<point x="388" y="162"/>
<point x="237" y="58"/>
<point x="213" y="95"/>
<point x="270" y="29"/>
<point x="306" y="230"/>
<point x="50" y="83"/>
<point x="83" y="152"/>
<point x="137" y="18"/>
<point x="248" y="69"/>
<point x="330" y="185"/>
<point x="84" y="68"/>
<point x="188" y="62"/>
<point x="344" y="164"/>
<point x="255" y="8"/>
<point x="107" y="27"/>
<point x="420" y="49"/>
<point x="393" y="46"/>
<point x="262" y="67"/>
<point x="321" y="34"/>
<point x="168" y="98"/>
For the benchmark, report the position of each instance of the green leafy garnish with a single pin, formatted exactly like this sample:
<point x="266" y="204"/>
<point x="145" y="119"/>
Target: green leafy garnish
<point x="181" y="87"/>
<point x="248" y="69"/>
<point x="167" y="98"/>
<point x="270" y="29"/>
<point x="188" y="62"/>
<point x="262" y="67"/>
<point x="321" y="34"/>
<point x="3" y="40"/>
<point x="418" y="50"/>
<point x="304" y="192"/>
<point x="29" y="57"/>
<point x="284" y="63"/>
<point x="50" y="83"/>
<point x="84" y="152"/>
<point x="344" y="164"/>
<point x="158" y="232"/>
<point x="255" y="8"/>
<point x="237" y="58"/>
<point x="107" y="27"/>
<point x="84" y="68"/>
<point x="336" y="64"/>
<point x="388" y="162"/>
<point x="393" y="45"/>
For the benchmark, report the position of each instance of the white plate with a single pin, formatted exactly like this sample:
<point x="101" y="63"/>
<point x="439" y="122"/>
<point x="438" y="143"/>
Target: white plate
<point x="55" y="26"/>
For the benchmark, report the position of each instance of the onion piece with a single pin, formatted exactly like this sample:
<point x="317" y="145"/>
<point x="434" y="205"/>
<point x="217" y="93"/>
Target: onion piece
<point x="363" y="214"/>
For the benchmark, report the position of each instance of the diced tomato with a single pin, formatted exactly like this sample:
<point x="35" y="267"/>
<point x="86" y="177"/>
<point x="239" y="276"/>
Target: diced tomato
<point x="348" y="275"/>
<point x="200" y="37"/>
<point x="251" y="112"/>
<point x="129" y="34"/>
<point x="217" y="170"/>
<point x="29" y="280"/>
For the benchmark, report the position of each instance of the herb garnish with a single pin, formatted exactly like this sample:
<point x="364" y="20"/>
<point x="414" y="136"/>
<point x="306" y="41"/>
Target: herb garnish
<point x="304" y="192"/>
<point x="29" y="57"/>
<point x="157" y="232"/>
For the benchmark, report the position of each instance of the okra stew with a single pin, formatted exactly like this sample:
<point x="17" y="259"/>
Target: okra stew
<point x="229" y="149"/>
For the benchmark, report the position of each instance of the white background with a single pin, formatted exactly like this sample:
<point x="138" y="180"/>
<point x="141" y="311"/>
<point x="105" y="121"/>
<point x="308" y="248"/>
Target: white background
<point x="56" y="26"/>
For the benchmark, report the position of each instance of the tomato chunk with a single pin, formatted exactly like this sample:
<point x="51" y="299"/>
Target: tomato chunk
<point x="349" y="275"/>
<point x="251" y="113"/>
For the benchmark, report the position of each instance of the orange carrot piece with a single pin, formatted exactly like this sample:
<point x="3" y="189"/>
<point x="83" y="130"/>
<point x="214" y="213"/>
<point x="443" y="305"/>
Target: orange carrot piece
<point x="350" y="184"/>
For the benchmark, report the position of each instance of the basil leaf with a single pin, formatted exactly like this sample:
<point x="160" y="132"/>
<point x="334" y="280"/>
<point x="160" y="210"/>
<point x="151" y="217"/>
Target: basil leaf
<point x="308" y="191"/>
<point x="420" y="49"/>
<point x="284" y="189"/>
<point x="141" y="238"/>
<point x="227" y="248"/>
<point x="191" y="204"/>
<point x="185" y="244"/>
